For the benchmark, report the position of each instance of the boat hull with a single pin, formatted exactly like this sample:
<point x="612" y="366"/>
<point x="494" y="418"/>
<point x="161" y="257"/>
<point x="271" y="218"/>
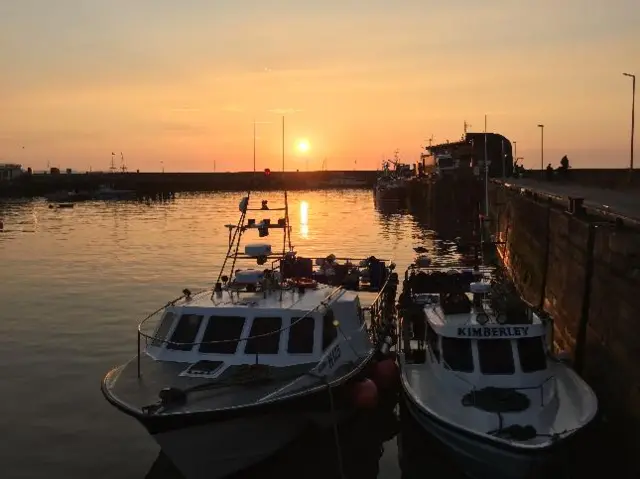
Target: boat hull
<point x="391" y="194"/>
<point x="217" y="443"/>
<point x="216" y="450"/>
<point x="480" y="458"/>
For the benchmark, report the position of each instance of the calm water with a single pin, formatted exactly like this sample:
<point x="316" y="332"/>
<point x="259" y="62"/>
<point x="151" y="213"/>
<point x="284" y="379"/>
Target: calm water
<point x="75" y="283"/>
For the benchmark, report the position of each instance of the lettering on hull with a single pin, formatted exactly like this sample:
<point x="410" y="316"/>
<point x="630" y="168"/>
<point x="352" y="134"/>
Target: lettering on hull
<point x="331" y="359"/>
<point x="494" y="332"/>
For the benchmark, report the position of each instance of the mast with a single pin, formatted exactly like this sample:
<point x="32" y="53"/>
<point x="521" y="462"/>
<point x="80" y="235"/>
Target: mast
<point x="286" y="241"/>
<point x="254" y="145"/>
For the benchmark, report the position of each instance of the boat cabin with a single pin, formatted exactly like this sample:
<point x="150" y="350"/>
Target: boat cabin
<point x="278" y="328"/>
<point x="460" y="332"/>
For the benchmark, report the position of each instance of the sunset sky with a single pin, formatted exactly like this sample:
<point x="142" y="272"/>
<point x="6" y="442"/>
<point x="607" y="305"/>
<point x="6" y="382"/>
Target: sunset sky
<point x="178" y="84"/>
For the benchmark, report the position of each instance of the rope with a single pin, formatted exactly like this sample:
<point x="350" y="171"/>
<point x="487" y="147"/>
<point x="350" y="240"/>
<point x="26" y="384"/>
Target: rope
<point x="336" y="435"/>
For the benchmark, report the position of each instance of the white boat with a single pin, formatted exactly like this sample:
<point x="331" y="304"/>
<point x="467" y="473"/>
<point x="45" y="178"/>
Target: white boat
<point x="478" y="374"/>
<point x="228" y="376"/>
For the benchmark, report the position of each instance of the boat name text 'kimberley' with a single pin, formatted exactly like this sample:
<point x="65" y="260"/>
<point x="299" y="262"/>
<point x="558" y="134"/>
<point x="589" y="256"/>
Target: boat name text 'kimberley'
<point x="500" y="332"/>
<point x="331" y="359"/>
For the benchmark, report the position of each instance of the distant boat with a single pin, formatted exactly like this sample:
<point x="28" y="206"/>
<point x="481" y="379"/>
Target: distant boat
<point x="345" y="182"/>
<point x="393" y="184"/>
<point x="108" y="193"/>
<point x="67" y="196"/>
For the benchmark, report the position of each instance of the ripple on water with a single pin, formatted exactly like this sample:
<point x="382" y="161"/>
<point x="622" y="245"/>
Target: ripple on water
<point x="74" y="290"/>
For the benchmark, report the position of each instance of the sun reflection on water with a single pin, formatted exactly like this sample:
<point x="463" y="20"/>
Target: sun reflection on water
<point x="304" y="219"/>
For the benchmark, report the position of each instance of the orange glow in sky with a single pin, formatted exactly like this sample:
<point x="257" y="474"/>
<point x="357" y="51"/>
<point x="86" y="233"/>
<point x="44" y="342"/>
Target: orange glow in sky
<point x="179" y="84"/>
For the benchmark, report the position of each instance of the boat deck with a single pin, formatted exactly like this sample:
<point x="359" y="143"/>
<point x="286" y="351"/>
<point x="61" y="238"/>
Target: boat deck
<point x="236" y="386"/>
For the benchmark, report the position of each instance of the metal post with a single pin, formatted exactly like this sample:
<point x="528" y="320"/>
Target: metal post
<point x="486" y="172"/>
<point x="541" y="147"/>
<point x="633" y="117"/>
<point x="138" y="355"/>
<point x="504" y="161"/>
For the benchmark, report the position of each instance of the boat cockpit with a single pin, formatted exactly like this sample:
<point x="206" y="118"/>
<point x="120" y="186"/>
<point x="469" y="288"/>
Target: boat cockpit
<point x="487" y="341"/>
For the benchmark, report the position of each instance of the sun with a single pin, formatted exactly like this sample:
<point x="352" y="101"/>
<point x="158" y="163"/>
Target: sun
<point x="303" y="146"/>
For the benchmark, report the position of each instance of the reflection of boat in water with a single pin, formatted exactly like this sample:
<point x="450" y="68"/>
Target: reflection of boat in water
<point x="315" y="454"/>
<point x="478" y="375"/>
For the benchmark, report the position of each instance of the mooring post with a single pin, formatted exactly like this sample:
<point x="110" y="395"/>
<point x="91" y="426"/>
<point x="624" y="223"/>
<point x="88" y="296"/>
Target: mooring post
<point x="545" y="265"/>
<point x="138" y="354"/>
<point x="581" y="334"/>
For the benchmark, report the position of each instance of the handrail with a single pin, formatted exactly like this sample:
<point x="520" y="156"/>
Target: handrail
<point x="222" y="341"/>
<point x="323" y="303"/>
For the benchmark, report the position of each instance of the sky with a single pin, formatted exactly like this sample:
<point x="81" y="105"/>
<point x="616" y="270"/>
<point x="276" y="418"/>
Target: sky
<point x="177" y="85"/>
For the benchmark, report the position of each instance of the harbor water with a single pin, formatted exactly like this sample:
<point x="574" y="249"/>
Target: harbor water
<point x="75" y="283"/>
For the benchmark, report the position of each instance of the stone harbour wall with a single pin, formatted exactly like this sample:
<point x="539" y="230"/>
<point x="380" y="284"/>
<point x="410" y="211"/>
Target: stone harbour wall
<point x="585" y="272"/>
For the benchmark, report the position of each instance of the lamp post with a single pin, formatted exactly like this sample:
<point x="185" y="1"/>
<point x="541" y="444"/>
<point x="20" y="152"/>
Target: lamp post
<point x="633" y="117"/>
<point x="541" y="147"/>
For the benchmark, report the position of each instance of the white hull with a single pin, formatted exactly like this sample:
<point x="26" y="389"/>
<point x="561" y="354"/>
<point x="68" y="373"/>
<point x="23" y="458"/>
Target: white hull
<point x="481" y="459"/>
<point x="219" y="449"/>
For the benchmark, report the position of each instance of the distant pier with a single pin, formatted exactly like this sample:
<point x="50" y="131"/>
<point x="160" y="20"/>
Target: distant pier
<point x="164" y="184"/>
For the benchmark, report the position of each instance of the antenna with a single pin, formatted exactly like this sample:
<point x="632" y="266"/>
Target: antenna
<point x="123" y="166"/>
<point x="112" y="168"/>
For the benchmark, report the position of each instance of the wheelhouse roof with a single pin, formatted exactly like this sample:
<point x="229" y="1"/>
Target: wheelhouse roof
<point x="272" y="300"/>
<point x="466" y="325"/>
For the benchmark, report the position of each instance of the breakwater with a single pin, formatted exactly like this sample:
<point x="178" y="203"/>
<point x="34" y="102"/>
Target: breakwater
<point x="164" y="183"/>
<point x="583" y="268"/>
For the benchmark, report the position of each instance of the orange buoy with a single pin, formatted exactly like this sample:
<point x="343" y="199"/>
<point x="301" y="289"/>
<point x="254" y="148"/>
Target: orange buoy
<point x="365" y="394"/>
<point x="385" y="374"/>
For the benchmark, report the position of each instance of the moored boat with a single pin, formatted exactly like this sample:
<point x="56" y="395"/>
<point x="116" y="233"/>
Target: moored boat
<point x="229" y="375"/>
<point x="478" y="375"/>
<point x="392" y="185"/>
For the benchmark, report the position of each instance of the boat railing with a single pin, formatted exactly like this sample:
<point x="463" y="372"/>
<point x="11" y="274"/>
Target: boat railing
<point x="383" y="308"/>
<point x="162" y="341"/>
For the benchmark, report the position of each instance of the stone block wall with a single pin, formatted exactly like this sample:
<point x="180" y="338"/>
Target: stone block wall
<point x="585" y="272"/>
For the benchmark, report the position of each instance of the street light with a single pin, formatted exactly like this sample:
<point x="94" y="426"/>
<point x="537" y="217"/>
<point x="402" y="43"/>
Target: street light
<point x="541" y="147"/>
<point x="633" y="115"/>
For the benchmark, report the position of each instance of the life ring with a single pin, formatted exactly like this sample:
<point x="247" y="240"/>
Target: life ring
<point x="306" y="283"/>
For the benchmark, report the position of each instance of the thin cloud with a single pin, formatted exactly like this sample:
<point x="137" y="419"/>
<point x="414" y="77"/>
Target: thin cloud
<point x="233" y="109"/>
<point x="284" y="111"/>
<point x="184" y="108"/>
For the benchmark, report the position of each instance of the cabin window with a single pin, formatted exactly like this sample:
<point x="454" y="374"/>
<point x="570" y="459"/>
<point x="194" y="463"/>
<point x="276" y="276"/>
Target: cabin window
<point x="432" y="342"/>
<point x="495" y="356"/>
<point x="457" y="354"/>
<point x="269" y="344"/>
<point x="532" y="355"/>
<point x="221" y="328"/>
<point x="329" y="331"/>
<point x="185" y="332"/>
<point x="301" y="335"/>
<point x="162" y="331"/>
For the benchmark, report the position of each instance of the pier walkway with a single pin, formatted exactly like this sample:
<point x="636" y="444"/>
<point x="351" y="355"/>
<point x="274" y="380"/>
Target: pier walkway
<point x="624" y="205"/>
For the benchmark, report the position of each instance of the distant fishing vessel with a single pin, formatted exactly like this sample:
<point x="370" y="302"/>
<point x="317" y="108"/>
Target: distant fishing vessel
<point x="393" y="184"/>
